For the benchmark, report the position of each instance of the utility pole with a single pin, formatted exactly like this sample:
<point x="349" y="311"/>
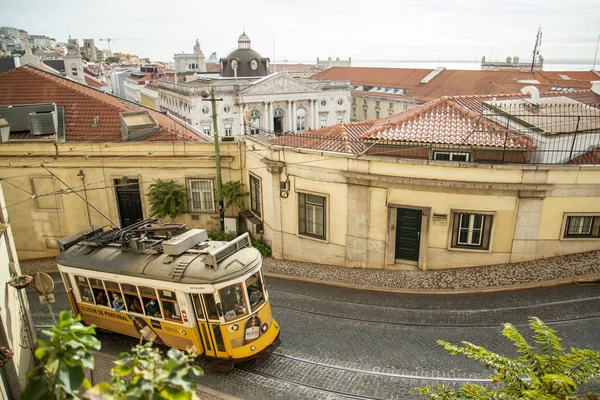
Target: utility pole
<point x="595" y="54"/>
<point x="538" y="42"/>
<point x="213" y="103"/>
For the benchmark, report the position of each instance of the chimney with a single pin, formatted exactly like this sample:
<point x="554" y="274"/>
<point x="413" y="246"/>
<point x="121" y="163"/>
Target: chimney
<point x="534" y="92"/>
<point x="596" y="87"/>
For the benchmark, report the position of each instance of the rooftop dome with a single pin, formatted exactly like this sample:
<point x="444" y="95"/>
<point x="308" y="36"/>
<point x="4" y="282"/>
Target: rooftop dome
<point x="244" y="62"/>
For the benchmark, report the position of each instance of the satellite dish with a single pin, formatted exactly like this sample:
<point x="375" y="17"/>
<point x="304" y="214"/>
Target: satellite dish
<point x="247" y="117"/>
<point x="44" y="283"/>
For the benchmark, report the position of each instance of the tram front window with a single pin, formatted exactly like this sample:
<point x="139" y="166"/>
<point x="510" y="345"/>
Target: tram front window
<point x="211" y="307"/>
<point x="255" y="291"/>
<point x="232" y="300"/>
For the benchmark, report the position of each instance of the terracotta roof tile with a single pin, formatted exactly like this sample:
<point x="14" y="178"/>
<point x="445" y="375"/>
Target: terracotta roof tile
<point x="591" y="157"/>
<point x="93" y="82"/>
<point x="29" y="85"/>
<point x="342" y="138"/>
<point x="456" y="82"/>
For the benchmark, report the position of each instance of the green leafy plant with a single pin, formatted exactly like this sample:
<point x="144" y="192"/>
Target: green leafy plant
<point x="262" y="247"/>
<point x="167" y="198"/>
<point x="544" y="371"/>
<point x="222" y="236"/>
<point x="233" y="193"/>
<point x="62" y="359"/>
<point x="143" y="374"/>
<point x="154" y="377"/>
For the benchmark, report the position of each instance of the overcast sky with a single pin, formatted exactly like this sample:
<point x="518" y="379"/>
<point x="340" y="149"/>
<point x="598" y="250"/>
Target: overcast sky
<point x="306" y="29"/>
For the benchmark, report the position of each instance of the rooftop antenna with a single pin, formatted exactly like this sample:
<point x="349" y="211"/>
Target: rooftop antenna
<point x="595" y="54"/>
<point x="538" y="43"/>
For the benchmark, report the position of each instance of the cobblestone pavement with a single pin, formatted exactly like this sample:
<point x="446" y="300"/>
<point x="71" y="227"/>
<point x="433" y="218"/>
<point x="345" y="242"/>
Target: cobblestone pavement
<point x="573" y="266"/>
<point x="340" y="343"/>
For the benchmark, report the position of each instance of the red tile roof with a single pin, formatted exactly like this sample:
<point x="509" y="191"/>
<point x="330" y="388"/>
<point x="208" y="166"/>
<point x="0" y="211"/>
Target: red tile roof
<point x="93" y="82"/>
<point x="29" y="85"/>
<point x="591" y="157"/>
<point x="342" y="138"/>
<point x="456" y="82"/>
<point x="445" y="122"/>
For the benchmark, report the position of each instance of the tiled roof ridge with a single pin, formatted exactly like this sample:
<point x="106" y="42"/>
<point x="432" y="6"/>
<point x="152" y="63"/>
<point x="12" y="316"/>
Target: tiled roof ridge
<point x="479" y="96"/>
<point x="409" y="114"/>
<point x="80" y="87"/>
<point x="124" y="104"/>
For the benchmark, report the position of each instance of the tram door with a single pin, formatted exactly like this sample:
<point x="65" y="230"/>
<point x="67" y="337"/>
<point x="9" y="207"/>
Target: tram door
<point x="210" y="326"/>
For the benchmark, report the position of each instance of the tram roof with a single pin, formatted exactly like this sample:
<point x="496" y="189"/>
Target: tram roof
<point x="187" y="268"/>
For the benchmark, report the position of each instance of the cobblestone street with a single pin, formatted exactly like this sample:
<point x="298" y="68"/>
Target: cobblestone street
<point x="340" y="343"/>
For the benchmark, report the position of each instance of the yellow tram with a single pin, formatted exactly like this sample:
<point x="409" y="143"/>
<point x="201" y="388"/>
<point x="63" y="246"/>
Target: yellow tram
<point x="172" y="287"/>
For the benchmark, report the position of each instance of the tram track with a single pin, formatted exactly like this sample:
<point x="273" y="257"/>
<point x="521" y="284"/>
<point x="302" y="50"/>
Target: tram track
<point x="283" y="368"/>
<point x="554" y="312"/>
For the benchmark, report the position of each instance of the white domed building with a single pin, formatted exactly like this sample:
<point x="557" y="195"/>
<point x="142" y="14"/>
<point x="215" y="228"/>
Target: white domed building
<point x="252" y="102"/>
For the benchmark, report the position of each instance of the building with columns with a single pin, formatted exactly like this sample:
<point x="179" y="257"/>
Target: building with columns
<point x="254" y="103"/>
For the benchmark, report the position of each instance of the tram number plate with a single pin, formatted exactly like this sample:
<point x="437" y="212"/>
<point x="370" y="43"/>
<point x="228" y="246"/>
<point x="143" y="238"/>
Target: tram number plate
<point x="252" y="333"/>
<point x="45" y="299"/>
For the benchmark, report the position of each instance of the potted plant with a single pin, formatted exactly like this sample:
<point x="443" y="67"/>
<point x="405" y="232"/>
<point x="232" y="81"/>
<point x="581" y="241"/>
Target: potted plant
<point x="5" y="355"/>
<point x="20" y="281"/>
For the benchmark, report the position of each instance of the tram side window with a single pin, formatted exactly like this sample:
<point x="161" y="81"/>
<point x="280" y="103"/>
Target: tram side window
<point x="256" y="294"/>
<point x="84" y="289"/>
<point x="132" y="300"/>
<point x="116" y="298"/>
<point x="169" y="305"/>
<point x="99" y="292"/>
<point x="232" y="300"/>
<point x="211" y="307"/>
<point x="198" y="306"/>
<point x="149" y="301"/>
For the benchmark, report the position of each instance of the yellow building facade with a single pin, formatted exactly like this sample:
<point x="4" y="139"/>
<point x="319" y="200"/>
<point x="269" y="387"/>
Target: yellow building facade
<point x="367" y="107"/>
<point x="46" y="185"/>
<point x="345" y="210"/>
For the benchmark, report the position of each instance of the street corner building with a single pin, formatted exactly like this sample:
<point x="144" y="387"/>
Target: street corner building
<point x="455" y="181"/>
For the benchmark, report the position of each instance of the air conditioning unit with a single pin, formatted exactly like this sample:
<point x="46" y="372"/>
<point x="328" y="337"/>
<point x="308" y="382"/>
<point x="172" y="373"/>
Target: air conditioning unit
<point x="254" y="225"/>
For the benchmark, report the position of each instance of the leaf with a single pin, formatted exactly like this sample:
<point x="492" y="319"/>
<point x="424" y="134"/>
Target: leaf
<point x="70" y="378"/>
<point x="175" y="394"/>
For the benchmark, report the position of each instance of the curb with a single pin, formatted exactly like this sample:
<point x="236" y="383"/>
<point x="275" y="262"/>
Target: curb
<point x="493" y="289"/>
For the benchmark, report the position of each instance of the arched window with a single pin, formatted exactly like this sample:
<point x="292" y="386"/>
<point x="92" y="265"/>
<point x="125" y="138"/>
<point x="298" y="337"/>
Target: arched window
<point x="254" y="123"/>
<point x="300" y="119"/>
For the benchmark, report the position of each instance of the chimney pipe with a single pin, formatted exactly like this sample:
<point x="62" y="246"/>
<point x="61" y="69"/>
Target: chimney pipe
<point x="534" y="92"/>
<point x="596" y="87"/>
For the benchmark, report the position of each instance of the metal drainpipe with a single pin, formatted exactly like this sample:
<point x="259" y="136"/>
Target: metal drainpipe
<point x="87" y="205"/>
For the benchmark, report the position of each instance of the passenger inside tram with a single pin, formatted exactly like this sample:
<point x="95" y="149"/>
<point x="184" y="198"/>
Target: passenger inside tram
<point x="232" y="300"/>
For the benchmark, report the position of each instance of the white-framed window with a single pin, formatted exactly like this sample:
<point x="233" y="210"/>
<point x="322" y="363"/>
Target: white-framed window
<point x="365" y="114"/>
<point x="201" y="195"/>
<point x="377" y="114"/>
<point x="323" y="122"/>
<point x="228" y="129"/>
<point x="255" y="196"/>
<point x="391" y="107"/>
<point x="450" y="156"/>
<point x="205" y="110"/>
<point x="254" y="123"/>
<point x="471" y="230"/>
<point x="582" y="226"/>
<point x="354" y="112"/>
<point x="340" y="119"/>
<point x="226" y="108"/>
<point x="300" y="120"/>
<point x="206" y="129"/>
<point x="312" y="215"/>
<point x="405" y="107"/>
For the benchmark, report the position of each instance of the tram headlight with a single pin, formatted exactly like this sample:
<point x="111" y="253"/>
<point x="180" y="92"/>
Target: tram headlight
<point x="264" y="328"/>
<point x="234" y="328"/>
<point x="253" y="348"/>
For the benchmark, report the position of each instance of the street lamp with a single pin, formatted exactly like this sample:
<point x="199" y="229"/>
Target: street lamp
<point x="206" y="96"/>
